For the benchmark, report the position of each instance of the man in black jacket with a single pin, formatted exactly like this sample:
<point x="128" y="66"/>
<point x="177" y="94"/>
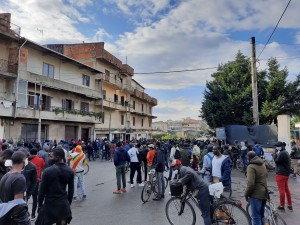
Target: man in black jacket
<point x="283" y="170"/>
<point x="30" y="174"/>
<point x="159" y="166"/>
<point x="54" y="202"/>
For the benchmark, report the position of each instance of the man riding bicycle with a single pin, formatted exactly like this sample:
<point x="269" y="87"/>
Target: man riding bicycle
<point x="197" y="186"/>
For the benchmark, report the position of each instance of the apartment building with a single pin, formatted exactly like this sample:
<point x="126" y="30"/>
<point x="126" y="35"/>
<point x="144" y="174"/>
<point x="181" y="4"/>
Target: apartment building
<point x="67" y="92"/>
<point x="127" y="109"/>
<point x="44" y="94"/>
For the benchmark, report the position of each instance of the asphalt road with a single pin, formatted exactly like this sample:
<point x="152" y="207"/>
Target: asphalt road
<point x="102" y="207"/>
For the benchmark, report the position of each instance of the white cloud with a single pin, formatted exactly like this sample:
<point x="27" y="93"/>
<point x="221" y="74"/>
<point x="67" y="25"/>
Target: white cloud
<point x="176" y="109"/>
<point x="81" y="3"/>
<point x="56" y="19"/>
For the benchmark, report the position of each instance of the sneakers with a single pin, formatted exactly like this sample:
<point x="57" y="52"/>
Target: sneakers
<point x="117" y="192"/>
<point x="84" y="197"/>
<point x="132" y="185"/>
<point x="74" y="199"/>
<point x="280" y="207"/>
<point x="141" y="185"/>
<point x="290" y="208"/>
<point x="123" y="189"/>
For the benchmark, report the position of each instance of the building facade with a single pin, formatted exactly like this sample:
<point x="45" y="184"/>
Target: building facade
<point x="52" y="94"/>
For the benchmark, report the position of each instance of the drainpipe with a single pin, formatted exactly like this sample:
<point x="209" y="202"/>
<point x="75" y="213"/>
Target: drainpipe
<point x="18" y="78"/>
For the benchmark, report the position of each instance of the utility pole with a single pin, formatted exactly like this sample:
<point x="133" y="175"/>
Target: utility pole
<point x="40" y="119"/>
<point x="254" y="83"/>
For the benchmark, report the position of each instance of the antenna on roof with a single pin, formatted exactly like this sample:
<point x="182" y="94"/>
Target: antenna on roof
<point x="42" y="32"/>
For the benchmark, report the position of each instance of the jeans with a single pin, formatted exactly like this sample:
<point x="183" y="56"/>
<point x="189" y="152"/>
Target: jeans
<point x="120" y="172"/>
<point x="160" y="183"/>
<point x="35" y="198"/>
<point x="104" y="154"/>
<point x="203" y="199"/>
<point x="135" y="166"/>
<point x="283" y="188"/>
<point x="91" y="154"/>
<point x="245" y="162"/>
<point x="258" y="211"/>
<point x="145" y="170"/>
<point x="79" y="178"/>
<point x="170" y="171"/>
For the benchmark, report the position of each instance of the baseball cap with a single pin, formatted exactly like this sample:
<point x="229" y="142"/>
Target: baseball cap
<point x="175" y="162"/>
<point x="151" y="146"/>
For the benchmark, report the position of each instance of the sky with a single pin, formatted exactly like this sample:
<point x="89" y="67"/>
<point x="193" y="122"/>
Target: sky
<point x="168" y="35"/>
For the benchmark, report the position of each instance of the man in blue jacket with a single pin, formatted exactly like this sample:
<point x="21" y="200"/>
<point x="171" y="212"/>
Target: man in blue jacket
<point x="221" y="167"/>
<point x="120" y="158"/>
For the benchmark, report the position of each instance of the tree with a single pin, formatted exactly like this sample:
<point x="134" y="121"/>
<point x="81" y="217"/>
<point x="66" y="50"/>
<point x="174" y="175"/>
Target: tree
<point x="228" y="97"/>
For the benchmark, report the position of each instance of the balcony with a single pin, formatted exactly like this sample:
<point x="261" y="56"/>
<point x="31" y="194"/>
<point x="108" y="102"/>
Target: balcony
<point x="127" y="69"/>
<point x="107" y="79"/>
<point x="60" y="114"/>
<point x="109" y="58"/>
<point x="62" y="85"/>
<point x="8" y="70"/>
<point x="7" y="27"/>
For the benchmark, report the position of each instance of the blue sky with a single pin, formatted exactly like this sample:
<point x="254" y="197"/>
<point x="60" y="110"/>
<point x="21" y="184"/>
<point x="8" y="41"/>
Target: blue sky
<point x="166" y="35"/>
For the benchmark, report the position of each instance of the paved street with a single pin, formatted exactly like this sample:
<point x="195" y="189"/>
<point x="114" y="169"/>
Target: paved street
<point x="104" y="208"/>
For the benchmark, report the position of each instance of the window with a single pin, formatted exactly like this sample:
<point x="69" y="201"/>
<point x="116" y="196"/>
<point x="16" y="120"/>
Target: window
<point x="150" y="122"/>
<point x="103" y="116"/>
<point x="142" y="107"/>
<point x="67" y="104"/>
<point x="84" y="107"/>
<point x="133" y="121"/>
<point x="122" y="119"/>
<point x="33" y="100"/>
<point x="104" y="94"/>
<point x="85" y="80"/>
<point x="29" y="132"/>
<point x="122" y="100"/>
<point x="150" y="110"/>
<point x="133" y="104"/>
<point x="116" y="98"/>
<point x="107" y="75"/>
<point x="48" y="70"/>
<point x="142" y="122"/>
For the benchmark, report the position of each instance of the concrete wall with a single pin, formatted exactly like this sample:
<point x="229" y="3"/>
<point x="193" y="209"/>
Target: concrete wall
<point x="284" y="130"/>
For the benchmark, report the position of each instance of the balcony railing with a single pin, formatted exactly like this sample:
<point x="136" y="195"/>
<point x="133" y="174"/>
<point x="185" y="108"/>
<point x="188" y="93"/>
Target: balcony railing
<point x="57" y="110"/>
<point x="5" y="66"/>
<point x="8" y="27"/>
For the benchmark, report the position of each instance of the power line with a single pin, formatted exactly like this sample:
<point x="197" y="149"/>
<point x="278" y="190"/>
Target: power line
<point x="274" y="28"/>
<point x="180" y="71"/>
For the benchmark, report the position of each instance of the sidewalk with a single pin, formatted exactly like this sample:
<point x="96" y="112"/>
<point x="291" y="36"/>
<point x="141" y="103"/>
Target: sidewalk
<point x="291" y="218"/>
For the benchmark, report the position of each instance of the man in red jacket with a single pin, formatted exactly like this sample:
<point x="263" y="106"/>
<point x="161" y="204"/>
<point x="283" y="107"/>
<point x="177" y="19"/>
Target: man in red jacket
<point x="40" y="164"/>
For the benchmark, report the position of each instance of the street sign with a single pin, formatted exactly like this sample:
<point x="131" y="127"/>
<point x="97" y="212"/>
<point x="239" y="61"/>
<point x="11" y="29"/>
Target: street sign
<point x="220" y="133"/>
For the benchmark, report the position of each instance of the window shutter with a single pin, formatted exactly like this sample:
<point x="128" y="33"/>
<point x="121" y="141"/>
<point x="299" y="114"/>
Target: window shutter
<point x="48" y="103"/>
<point x="72" y="105"/>
<point x="64" y="103"/>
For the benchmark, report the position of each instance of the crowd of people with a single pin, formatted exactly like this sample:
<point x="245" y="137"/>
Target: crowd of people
<point x="52" y="173"/>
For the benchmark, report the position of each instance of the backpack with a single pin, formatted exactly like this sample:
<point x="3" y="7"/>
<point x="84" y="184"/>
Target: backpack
<point x="177" y="154"/>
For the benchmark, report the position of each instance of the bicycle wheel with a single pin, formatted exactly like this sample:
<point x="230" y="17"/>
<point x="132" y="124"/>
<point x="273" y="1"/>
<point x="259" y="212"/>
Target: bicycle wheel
<point x="86" y="169"/>
<point x="179" y="213"/>
<point x="146" y="192"/>
<point x="278" y="219"/>
<point x="239" y="165"/>
<point x="229" y="213"/>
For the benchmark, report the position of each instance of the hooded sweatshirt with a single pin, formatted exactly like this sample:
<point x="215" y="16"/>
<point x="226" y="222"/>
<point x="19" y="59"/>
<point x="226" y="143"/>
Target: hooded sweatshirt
<point x="256" y="179"/>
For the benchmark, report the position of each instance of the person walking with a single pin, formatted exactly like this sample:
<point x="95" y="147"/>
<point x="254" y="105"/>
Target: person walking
<point x="39" y="164"/>
<point x="295" y="156"/>
<point x="56" y="191"/>
<point x="256" y="190"/>
<point x="120" y="158"/>
<point x="159" y="166"/>
<point x="283" y="170"/>
<point x="77" y="162"/>
<point x="135" y="165"/>
<point x="244" y="151"/>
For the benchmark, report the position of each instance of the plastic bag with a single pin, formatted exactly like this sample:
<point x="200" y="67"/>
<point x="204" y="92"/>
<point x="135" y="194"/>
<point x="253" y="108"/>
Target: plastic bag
<point x="216" y="189"/>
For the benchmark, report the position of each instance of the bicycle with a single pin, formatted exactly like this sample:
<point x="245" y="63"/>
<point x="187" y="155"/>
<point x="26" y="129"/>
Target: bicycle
<point x="271" y="215"/>
<point x="180" y="211"/>
<point x="151" y="186"/>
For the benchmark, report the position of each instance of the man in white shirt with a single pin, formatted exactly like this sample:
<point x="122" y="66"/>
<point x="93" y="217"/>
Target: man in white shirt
<point x="135" y="165"/>
<point x="221" y="168"/>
